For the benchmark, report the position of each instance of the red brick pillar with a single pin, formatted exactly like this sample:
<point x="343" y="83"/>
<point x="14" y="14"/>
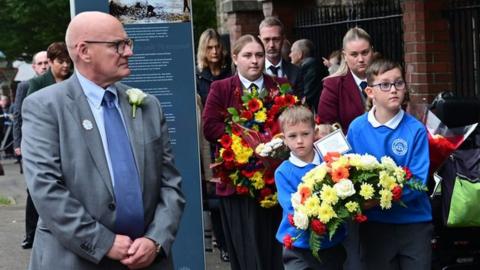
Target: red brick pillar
<point x="243" y="17"/>
<point x="427" y="49"/>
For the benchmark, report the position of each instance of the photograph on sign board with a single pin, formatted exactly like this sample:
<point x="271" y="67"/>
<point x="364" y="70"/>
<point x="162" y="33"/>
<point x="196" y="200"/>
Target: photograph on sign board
<point x="151" y="11"/>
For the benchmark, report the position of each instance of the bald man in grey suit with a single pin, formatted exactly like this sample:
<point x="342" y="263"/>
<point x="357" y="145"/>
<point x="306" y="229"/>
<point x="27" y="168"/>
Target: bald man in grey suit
<point x="72" y="171"/>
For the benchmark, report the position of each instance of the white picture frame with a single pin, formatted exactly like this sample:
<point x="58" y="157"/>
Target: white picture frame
<point x="333" y="142"/>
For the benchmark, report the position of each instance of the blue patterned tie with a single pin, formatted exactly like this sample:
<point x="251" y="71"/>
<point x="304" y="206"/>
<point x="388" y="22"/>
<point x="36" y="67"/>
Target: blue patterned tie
<point x="129" y="216"/>
<point x="364" y="85"/>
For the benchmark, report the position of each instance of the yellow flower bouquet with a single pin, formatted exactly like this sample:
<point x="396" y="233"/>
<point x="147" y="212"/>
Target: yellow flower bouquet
<point x="336" y="190"/>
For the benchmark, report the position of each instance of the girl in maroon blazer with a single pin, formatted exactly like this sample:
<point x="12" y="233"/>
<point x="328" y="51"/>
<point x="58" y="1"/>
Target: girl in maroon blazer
<point x="249" y="228"/>
<point x="342" y="98"/>
<point x="341" y="101"/>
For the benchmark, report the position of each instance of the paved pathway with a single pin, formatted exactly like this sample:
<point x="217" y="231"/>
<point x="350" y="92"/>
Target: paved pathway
<point x="12" y="224"/>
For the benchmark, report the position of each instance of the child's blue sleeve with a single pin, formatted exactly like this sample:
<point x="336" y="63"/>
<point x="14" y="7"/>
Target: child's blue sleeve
<point x="285" y="188"/>
<point x="418" y="164"/>
<point x="287" y="183"/>
<point x="350" y="138"/>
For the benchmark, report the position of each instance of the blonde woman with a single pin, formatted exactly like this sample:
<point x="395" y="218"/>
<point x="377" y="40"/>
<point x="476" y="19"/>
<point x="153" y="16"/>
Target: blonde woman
<point x="342" y="98"/>
<point x="210" y="62"/>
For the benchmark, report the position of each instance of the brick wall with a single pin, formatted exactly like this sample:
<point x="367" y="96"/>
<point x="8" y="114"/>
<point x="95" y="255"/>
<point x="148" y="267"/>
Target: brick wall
<point x="427" y="49"/>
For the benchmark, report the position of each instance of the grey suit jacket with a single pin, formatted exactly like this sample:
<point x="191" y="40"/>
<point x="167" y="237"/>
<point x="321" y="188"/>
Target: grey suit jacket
<point x="69" y="181"/>
<point x="20" y="95"/>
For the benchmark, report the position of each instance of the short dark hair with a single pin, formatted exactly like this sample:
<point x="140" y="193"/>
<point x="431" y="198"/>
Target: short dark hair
<point x="57" y="50"/>
<point x="380" y="66"/>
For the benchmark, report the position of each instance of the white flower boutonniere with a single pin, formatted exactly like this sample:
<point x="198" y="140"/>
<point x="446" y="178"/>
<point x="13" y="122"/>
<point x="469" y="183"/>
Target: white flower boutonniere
<point x="135" y="97"/>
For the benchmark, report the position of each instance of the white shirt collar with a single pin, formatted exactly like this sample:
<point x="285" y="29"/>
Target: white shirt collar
<point x="300" y="163"/>
<point x="93" y="92"/>
<point x="357" y="80"/>
<point x="279" y="65"/>
<point x="246" y="83"/>
<point x="392" y="123"/>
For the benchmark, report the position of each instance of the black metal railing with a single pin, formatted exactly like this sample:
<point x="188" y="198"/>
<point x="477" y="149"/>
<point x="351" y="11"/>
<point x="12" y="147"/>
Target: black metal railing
<point x="464" y="24"/>
<point x="327" y="25"/>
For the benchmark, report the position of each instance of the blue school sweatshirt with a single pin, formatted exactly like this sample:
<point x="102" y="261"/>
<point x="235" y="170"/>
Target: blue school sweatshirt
<point x="287" y="177"/>
<point x="404" y="139"/>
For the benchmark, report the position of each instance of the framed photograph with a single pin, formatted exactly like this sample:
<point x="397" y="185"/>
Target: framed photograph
<point x="333" y="142"/>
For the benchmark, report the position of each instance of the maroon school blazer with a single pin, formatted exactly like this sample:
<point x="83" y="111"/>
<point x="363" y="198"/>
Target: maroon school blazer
<point x="340" y="101"/>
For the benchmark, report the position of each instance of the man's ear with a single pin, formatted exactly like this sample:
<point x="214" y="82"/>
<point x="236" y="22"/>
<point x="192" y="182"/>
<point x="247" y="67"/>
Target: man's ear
<point x="83" y="52"/>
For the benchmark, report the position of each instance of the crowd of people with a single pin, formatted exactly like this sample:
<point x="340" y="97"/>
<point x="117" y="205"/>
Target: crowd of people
<point x="94" y="211"/>
<point x="356" y="89"/>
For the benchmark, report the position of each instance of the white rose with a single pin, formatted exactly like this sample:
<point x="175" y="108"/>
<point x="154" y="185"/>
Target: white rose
<point x="300" y="220"/>
<point x="259" y="149"/>
<point x="296" y="200"/>
<point x="266" y="151"/>
<point x="368" y="162"/>
<point x="135" y="95"/>
<point x="344" y="188"/>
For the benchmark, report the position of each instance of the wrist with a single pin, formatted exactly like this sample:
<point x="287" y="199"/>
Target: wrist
<point x="158" y="248"/>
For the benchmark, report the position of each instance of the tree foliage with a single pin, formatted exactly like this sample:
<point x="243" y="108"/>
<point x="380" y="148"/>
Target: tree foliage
<point x="204" y="16"/>
<point x="30" y="26"/>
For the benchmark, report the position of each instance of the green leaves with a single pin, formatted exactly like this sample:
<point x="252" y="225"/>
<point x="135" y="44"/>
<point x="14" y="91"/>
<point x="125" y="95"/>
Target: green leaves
<point x="416" y="184"/>
<point x="234" y="113"/>
<point x="285" y="88"/>
<point x="315" y="242"/>
<point x="333" y="226"/>
<point x="32" y="25"/>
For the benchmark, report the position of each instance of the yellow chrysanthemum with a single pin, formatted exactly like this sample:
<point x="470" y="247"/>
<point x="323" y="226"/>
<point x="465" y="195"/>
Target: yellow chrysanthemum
<point x="257" y="180"/>
<point x="328" y="195"/>
<point x="385" y="199"/>
<point x="261" y="116"/>
<point x="386" y="181"/>
<point x="269" y="201"/>
<point x="326" y="213"/>
<point x="366" y="191"/>
<point x="354" y="160"/>
<point x="312" y="206"/>
<point x="243" y="157"/>
<point x="236" y="139"/>
<point x="399" y="174"/>
<point x="308" y="181"/>
<point x="342" y="162"/>
<point x="319" y="173"/>
<point x="352" y="206"/>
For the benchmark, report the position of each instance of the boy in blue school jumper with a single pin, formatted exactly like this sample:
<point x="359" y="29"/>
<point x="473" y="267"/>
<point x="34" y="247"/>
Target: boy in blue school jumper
<point x="398" y="238"/>
<point x="298" y="127"/>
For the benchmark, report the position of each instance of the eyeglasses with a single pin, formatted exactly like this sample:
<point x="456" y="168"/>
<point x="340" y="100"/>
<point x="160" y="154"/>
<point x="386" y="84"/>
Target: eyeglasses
<point x="386" y="86"/>
<point x="119" y="44"/>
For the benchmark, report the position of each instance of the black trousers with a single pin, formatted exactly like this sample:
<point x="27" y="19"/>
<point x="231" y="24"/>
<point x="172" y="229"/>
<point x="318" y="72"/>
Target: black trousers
<point x="397" y="246"/>
<point x="302" y="259"/>
<point x="31" y="218"/>
<point x="250" y="234"/>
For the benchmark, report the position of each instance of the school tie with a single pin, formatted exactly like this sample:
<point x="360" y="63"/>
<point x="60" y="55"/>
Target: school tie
<point x="363" y="85"/>
<point x="274" y="70"/>
<point x="253" y="87"/>
<point x="129" y="218"/>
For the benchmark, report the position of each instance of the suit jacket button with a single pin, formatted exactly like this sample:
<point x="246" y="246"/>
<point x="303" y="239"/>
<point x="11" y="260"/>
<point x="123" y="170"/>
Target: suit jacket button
<point x="111" y="206"/>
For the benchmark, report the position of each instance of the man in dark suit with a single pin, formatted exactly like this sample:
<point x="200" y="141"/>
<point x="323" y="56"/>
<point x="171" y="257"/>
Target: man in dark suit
<point x="40" y="66"/>
<point x="272" y="35"/>
<point x="102" y="178"/>
<point x="311" y="71"/>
